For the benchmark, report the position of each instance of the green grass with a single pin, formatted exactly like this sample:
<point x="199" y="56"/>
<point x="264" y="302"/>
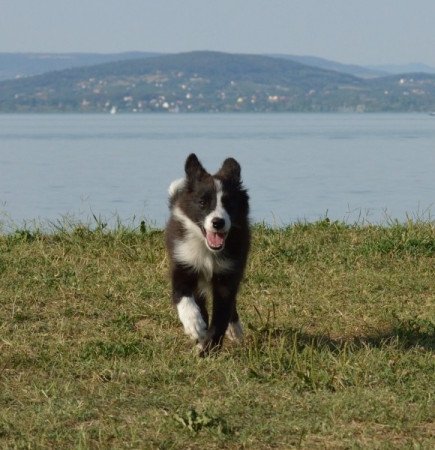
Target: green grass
<point x="338" y="352"/>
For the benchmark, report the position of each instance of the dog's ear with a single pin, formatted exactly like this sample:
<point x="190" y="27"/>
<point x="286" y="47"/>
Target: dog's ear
<point x="193" y="168"/>
<point x="230" y="170"/>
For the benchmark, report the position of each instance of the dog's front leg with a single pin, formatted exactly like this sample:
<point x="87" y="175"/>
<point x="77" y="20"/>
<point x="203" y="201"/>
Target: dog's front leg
<point x="184" y="286"/>
<point x="224" y="302"/>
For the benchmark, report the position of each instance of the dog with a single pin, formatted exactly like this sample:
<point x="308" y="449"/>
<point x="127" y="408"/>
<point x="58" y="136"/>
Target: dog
<point x="208" y="240"/>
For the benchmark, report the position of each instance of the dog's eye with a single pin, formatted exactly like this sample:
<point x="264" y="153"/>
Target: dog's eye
<point x="203" y="201"/>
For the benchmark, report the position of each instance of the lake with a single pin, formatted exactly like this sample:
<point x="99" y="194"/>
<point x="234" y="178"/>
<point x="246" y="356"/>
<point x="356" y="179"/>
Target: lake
<point x="351" y="167"/>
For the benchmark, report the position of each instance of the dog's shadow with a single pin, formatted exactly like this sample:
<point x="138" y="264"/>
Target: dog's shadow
<point x="405" y="335"/>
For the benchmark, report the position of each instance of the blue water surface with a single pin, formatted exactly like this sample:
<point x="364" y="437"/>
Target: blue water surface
<point x="352" y="167"/>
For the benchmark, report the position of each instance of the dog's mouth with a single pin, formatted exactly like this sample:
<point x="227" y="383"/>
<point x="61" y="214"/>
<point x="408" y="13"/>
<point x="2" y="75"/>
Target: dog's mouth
<point x="215" y="240"/>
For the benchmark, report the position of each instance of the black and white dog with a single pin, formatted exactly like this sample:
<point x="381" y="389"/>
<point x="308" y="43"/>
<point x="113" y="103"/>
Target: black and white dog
<point x="208" y="237"/>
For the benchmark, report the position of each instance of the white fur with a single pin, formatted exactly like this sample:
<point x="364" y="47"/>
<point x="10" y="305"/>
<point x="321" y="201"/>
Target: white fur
<point x="190" y="316"/>
<point x="234" y="331"/>
<point x="193" y="250"/>
<point x="175" y="186"/>
<point x="219" y="212"/>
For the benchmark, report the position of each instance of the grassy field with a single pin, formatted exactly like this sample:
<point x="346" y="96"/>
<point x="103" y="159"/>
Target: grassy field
<point x="338" y="353"/>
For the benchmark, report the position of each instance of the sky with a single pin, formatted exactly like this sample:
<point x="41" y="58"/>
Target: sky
<point x="349" y="31"/>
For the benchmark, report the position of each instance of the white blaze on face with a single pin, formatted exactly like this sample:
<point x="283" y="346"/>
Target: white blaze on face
<point x="216" y="236"/>
<point x="192" y="250"/>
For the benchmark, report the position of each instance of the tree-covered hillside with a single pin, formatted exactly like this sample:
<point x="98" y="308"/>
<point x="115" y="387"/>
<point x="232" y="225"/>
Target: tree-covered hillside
<point x="18" y="65"/>
<point x="213" y="82"/>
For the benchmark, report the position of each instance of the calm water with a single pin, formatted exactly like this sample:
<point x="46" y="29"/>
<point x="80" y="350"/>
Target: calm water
<point x="296" y="166"/>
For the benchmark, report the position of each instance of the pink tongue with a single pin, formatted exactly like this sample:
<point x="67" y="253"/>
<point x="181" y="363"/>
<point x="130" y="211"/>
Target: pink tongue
<point x="215" y="240"/>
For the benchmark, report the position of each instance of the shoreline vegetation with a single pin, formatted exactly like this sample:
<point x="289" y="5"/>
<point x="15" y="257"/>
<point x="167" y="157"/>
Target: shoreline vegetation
<point x="338" y="350"/>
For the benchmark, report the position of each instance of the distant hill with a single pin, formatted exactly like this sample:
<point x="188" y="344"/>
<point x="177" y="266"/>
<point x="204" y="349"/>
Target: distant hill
<point x="404" y="68"/>
<point x="374" y="71"/>
<point x="18" y="65"/>
<point x="321" y="63"/>
<point x="213" y="82"/>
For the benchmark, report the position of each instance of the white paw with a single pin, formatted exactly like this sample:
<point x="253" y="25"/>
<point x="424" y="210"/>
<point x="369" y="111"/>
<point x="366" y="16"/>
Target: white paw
<point x="190" y="316"/>
<point x="234" y="331"/>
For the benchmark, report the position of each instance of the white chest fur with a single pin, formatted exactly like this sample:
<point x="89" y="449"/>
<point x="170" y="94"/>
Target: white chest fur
<point x="192" y="250"/>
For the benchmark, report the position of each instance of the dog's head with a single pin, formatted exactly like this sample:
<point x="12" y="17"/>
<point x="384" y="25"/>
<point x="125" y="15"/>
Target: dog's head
<point x="213" y="203"/>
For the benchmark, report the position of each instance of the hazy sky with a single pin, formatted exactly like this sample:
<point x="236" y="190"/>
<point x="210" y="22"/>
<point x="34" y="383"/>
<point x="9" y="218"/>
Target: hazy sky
<point x="349" y="31"/>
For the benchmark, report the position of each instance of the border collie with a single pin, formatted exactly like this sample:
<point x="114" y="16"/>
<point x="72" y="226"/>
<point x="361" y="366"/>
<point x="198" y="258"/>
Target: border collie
<point x="207" y="238"/>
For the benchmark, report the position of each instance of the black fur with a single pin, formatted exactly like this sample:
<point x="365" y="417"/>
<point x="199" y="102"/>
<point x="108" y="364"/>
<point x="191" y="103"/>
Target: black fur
<point x="196" y="199"/>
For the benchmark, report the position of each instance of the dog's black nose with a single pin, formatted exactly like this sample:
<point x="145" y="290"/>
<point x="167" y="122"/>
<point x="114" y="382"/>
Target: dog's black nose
<point x="218" y="223"/>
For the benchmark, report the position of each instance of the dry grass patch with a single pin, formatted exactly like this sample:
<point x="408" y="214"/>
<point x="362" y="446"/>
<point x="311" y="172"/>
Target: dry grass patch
<point x="338" y="352"/>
